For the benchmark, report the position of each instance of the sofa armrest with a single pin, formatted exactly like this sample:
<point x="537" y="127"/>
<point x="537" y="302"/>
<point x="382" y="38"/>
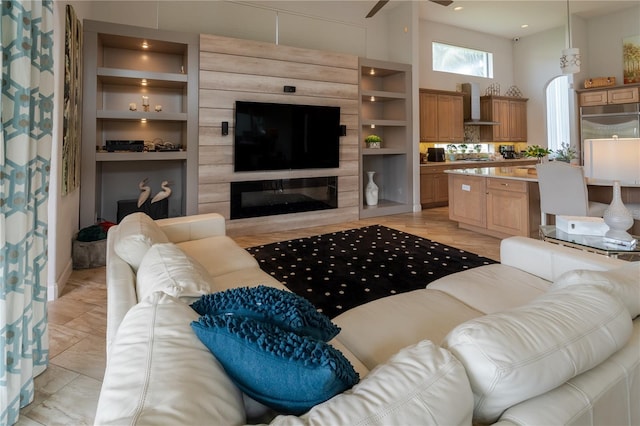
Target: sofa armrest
<point x="195" y="227"/>
<point x="549" y="261"/>
<point x="121" y="290"/>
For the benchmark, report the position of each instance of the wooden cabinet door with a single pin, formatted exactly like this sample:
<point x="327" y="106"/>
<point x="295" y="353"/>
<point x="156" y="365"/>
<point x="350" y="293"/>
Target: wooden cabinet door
<point x="467" y="200"/>
<point x="457" y="119"/>
<point x="427" y="191"/>
<point x="428" y="117"/>
<point x="593" y="98"/>
<point x="623" y="96"/>
<point x="518" y="121"/>
<point x="507" y="206"/>
<point x="445" y="108"/>
<point x="441" y="187"/>
<point x="501" y="115"/>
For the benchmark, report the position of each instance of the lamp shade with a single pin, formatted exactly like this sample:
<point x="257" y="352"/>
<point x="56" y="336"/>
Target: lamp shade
<point x="570" y="60"/>
<point x="613" y="159"/>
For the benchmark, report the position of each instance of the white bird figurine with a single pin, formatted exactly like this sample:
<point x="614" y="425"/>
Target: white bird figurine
<point x="146" y="191"/>
<point x="166" y="191"/>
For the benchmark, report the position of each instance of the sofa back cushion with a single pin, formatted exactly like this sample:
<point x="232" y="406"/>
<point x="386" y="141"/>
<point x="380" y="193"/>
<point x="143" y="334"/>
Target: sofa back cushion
<point x="165" y="267"/>
<point x="517" y="354"/>
<point x="134" y="235"/>
<point x="421" y="384"/>
<point x="160" y="373"/>
<point x="623" y="282"/>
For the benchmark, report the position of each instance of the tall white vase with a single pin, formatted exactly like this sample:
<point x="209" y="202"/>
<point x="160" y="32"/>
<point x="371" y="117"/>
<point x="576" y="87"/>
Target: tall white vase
<point x="371" y="191"/>
<point x="618" y="216"/>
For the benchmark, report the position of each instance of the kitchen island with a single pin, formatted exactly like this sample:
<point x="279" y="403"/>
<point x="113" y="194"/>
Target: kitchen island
<point x="434" y="187"/>
<point x="496" y="201"/>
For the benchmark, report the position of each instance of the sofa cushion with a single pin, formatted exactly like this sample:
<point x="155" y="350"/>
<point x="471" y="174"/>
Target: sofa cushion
<point x="492" y="288"/>
<point x="514" y="355"/>
<point x="155" y="361"/>
<point x="280" y="307"/>
<point x="167" y="268"/>
<point x="283" y="370"/>
<point x="134" y="235"/>
<point x="624" y="282"/>
<point x="421" y="384"/>
<point x="219" y="254"/>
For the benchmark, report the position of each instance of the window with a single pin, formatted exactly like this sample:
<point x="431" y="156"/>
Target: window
<point x="460" y="60"/>
<point x="558" y="128"/>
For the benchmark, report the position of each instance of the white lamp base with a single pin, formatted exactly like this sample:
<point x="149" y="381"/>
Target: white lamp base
<point x="618" y="217"/>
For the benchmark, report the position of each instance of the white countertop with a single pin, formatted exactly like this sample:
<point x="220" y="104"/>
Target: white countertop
<point x="527" y="173"/>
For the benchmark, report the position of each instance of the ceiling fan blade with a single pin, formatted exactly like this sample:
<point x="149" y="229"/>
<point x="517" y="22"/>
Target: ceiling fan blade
<point x="376" y="8"/>
<point x="443" y="2"/>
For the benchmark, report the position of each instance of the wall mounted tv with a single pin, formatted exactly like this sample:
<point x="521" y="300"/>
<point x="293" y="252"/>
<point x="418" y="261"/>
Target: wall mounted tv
<point x="272" y="136"/>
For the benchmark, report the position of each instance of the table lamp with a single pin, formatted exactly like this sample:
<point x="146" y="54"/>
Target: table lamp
<point x="615" y="160"/>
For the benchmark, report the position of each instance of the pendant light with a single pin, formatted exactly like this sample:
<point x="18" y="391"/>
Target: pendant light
<point x="570" y="59"/>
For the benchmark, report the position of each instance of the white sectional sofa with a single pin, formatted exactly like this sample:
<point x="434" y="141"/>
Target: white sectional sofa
<point x="545" y="337"/>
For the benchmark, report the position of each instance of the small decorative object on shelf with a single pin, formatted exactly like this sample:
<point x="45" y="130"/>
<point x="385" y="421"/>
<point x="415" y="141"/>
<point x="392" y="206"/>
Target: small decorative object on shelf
<point x="145" y="103"/>
<point x="165" y="193"/>
<point x="371" y="191"/>
<point x="158" y="108"/>
<point x="133" y="106"/>
<point x="537" y="151"/>
<point x="514" y="92"/>
<point x="493" y="90"/>
<point x="373" y="141"/>
<point x="145" y="191"/>
<point x="599" y="82"/>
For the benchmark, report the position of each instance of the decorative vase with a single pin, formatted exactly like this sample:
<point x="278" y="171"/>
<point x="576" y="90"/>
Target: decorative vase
<point x="617" y="216"/>
<point x="371" y="191"/>
<point x="373" y="145"/>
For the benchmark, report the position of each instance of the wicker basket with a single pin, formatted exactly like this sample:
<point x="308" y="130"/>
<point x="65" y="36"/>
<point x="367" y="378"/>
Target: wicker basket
<point x="599" y="82"/>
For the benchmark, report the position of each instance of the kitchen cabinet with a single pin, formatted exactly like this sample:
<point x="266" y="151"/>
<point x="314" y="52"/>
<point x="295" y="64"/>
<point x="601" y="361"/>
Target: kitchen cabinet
<point x="118" y="73"/>
<point x="385" y="110"/>
<point x="508" y="206"/>
<point x="623" y="95"/>
<point x="499" y="207"/>
<point x="468" y="200"/>
<point x="441" y="116"/>
<point x="434" y="186"/>
<point x="510" y="112"/>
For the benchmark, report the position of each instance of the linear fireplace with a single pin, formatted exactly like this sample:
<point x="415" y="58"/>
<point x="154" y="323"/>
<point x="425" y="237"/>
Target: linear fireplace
<point x="281" y="196"/>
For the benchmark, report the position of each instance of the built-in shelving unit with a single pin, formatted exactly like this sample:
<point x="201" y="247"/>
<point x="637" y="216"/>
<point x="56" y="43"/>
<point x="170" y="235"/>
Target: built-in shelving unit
<point x="118" y="72"/>
<point x="385" y="110"/>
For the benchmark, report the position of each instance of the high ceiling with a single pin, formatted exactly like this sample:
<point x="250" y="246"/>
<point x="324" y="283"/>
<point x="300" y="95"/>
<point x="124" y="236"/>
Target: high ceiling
<point x="502" y="18"/>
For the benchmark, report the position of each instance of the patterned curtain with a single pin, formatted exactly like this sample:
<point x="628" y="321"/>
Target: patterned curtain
<point x="26" y="110"/>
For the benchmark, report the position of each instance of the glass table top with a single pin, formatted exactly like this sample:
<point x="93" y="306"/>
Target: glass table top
<point x="588" y="242"/>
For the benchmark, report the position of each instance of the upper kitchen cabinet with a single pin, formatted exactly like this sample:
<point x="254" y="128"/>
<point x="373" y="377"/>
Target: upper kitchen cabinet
<point x="510" y="113"/>
<point x="140" y="118"/>
<point x="625" y="95"/>
<point x="441" y="116"/>
<point x="385" y="110"/>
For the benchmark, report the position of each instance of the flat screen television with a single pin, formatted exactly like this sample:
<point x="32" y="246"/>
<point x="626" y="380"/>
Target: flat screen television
<point x="273" y="136"/>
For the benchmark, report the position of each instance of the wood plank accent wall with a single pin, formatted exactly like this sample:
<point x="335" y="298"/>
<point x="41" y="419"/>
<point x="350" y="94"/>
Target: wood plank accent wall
<point x="243" y="70"/>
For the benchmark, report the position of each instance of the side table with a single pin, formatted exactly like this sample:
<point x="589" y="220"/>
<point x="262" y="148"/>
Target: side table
<point x="592" y="243"/>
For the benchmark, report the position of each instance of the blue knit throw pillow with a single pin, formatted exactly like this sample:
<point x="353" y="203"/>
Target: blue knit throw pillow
<point x="281" y="369"/>
<point x="269" y="304"/>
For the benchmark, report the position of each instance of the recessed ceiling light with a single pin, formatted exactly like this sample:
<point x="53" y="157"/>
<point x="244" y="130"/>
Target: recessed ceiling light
<point x="458" y="8"/>
<point x="524" y="26"/>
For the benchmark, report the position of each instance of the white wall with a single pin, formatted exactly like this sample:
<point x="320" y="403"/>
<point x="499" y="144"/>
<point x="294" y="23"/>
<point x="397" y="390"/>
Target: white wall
<point x="500" y="47"/>
<point x="603" y="56"/>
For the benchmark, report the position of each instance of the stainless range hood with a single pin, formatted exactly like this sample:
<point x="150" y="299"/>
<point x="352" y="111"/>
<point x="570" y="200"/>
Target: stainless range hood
<point x="471" y="103"/>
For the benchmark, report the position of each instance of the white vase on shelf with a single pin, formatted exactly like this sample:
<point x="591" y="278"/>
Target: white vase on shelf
<point x="371" y="191"/>
<point x="617" y="216"/>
